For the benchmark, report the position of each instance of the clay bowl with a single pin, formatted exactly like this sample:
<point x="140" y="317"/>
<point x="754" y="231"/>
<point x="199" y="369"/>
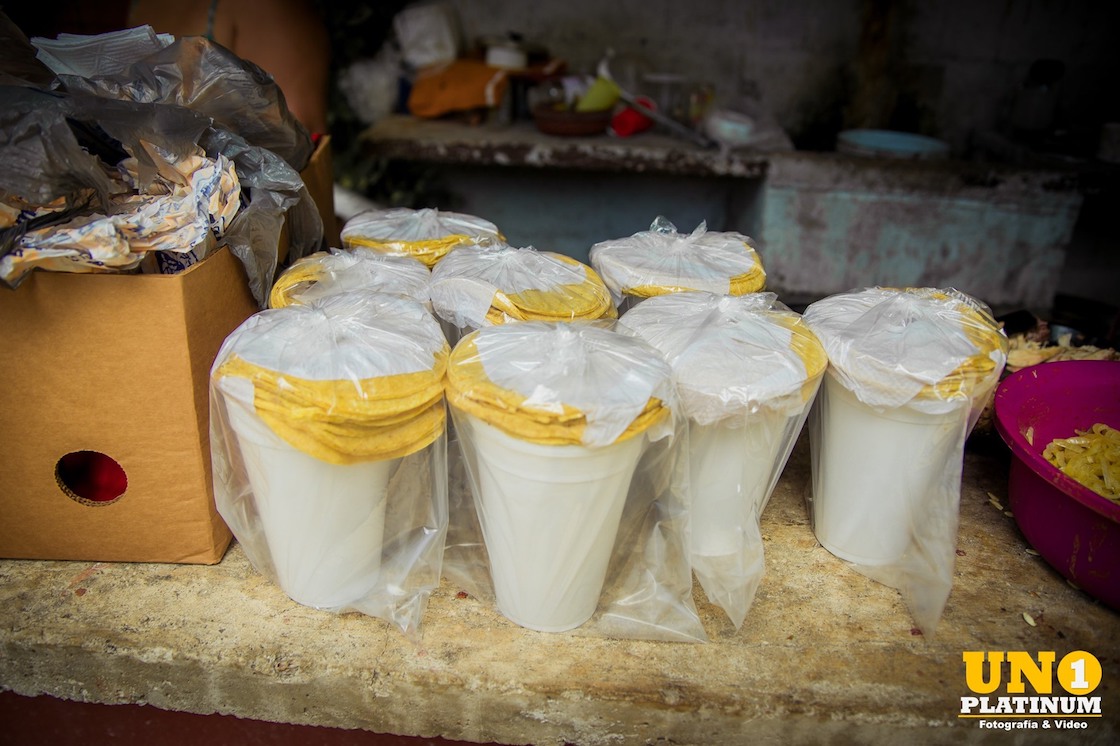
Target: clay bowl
<point x="568" y="123"/>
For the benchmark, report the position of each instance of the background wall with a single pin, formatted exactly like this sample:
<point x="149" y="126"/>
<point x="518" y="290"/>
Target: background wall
<point x="941" y="68"/>
<point x="954" y="69"/>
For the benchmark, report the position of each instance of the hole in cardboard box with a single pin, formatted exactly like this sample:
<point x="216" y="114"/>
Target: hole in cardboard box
<point x="90" y="477"/>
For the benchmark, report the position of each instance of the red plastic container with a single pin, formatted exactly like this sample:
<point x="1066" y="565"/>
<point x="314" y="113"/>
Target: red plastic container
<point x="1074" y="529"/>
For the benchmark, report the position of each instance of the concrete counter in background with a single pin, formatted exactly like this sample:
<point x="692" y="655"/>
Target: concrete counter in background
<point x="520" y="144"/>
<point x="825" y="222"/>
<point x="825" y="655"/>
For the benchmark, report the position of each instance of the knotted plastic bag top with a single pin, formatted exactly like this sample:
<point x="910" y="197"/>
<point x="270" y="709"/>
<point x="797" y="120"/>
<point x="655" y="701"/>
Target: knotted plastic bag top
<point x="731" y="355"/>
<point x="426" y="234"/>
<point x="350" y="377"/>
<point x="931" y="349"/>
<point x="337" y="271"/>
<point x="481" y="286"/>
<point x="562" y="383"/>
<point x="661" y="260"/>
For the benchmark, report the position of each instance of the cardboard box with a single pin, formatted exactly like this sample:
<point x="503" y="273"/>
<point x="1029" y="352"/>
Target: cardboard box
<point x="116" y="365"/>
<point x="105" y="406"/>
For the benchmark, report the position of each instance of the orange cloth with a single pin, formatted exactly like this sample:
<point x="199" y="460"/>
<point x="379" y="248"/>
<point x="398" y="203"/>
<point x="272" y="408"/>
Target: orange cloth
<point x="460" y="85"/>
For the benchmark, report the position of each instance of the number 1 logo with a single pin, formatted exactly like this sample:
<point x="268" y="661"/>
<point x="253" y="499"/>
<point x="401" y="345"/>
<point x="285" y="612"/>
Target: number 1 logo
<point x="1079" y="672"/>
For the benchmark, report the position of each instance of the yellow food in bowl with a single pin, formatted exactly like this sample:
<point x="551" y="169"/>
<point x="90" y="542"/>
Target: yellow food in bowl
<point x="1092" y="457"/>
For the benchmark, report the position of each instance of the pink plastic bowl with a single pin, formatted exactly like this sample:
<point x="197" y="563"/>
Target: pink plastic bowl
<point x="1074" y="529"/>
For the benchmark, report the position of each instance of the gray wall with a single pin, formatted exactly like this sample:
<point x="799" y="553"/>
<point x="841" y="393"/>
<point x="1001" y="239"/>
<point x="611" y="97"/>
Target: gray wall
<point x="942" y="68"/>
<point x="948" y="69"/>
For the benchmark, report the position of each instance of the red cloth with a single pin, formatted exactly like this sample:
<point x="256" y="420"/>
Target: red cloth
<point x="629" y="121"/>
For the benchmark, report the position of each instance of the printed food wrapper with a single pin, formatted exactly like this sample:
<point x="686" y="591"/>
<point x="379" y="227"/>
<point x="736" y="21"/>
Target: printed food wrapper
<point x="191" y="200"/>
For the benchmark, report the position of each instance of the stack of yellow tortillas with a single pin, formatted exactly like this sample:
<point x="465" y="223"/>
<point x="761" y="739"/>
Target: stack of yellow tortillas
<point x="661" y="261"/>
<point x="731" y="355"/>
<point x="561" y="383"/>
<point x="348" y="378"/>
<point x="923" y="347"/>
<point x="327" y="273"/>
<point x="426" y="234"/>
<point x="482" y="286"/>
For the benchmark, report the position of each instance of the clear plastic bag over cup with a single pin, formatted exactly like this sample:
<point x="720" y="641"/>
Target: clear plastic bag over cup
<point x="426" y="234"/>
<point x="328" y="426"/>
<point x="550" y="516"/>
<point x="479" y="286"/>
<point x="661" y="261"/>
<point x="746" y="369"/>
<point x="910" y="371"/>
<point x="338" y="271"/>
<point x="569" y="436"/>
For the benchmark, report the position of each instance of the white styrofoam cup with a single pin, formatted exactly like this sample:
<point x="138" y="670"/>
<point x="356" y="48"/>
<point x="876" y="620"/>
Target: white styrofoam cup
<point x="323" y="523"/>
<point x="872" y="469"/>
<point x="549" y="516"/>
<point x="730" y="467"/>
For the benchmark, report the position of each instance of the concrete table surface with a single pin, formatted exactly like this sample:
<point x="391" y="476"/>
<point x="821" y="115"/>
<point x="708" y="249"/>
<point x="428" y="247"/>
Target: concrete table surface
<point x="521" y="144"/>
<point x="825" y="655"/>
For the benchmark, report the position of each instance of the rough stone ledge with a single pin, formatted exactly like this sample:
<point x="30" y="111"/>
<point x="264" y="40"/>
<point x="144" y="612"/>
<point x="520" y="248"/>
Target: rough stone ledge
<point x="825" y="655"/>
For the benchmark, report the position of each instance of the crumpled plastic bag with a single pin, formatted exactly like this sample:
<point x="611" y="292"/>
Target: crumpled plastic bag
<point x="182" y="211"/>
<point x="372" y="86"/>
<point x="18" y="63"/>
<point x="60" y="148"/>
<point x="41" y="160"/>
<point x="203" y="76"/>
<point x="910" y="370"/>
<point x="96" y="55"/>
<point x="276" y="192"/>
